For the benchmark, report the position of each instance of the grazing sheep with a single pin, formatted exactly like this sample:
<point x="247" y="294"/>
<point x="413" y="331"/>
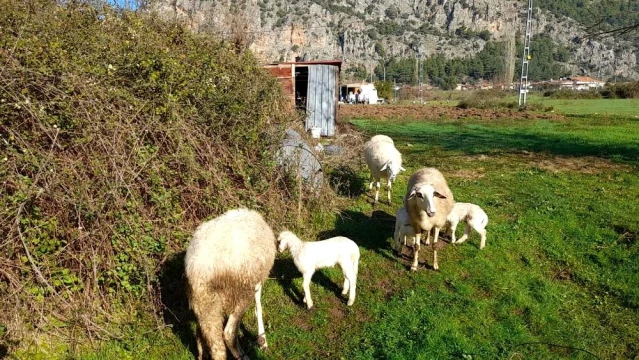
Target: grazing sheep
<point x="473" y="216"/>
<point x="404" y="232"/>
<point x="384" y="161"/>
<point x="311" y="256"/>
<point x="382" y="138"/>
<point x="226" y="263"/>
<point x="428" y="202"/>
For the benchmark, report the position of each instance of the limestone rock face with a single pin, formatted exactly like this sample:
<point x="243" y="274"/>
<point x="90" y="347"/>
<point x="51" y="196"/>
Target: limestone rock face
<point x="362" y="32"/>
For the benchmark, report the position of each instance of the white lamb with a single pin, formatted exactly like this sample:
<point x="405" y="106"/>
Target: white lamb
<point x="474" y="217"/>
<point x="384" y="162"/>
<point x="310" y="256"/>
<point x="404" y="231"/>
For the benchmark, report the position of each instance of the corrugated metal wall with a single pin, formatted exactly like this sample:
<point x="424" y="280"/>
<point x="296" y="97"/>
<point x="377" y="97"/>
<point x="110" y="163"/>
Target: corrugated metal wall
<point x="321" y="98"/>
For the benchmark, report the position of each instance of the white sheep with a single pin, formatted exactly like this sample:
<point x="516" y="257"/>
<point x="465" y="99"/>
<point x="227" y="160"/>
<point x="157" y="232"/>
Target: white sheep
<point x="227" y="261"/>
<point x="404" y="232"/>
<point x="384" y="162"/>
<point x="474" y="217"/>
<point x="428" y="201"/>
<point x="311" y="256"/>
<point x="382" y="138"/>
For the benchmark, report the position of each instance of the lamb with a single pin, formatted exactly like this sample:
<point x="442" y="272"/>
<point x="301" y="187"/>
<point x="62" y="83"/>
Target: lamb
<point x="473" y="216"/>
<point x="227" y="261"/>
<point x="311" y="256"/>
<point x="384" y="161"/>
<point x="404" y="232"/>
<point x="428" y="201"/>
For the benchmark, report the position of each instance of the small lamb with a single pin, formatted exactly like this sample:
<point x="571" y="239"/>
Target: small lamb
<point x="404" y="231"/>
<point x="473" y="216"/>
<point x="384" y="162"/>
<point x="310" y="256"/>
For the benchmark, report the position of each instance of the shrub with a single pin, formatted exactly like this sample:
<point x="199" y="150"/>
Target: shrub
<point x="120" y="133"/>
<point x="572" y="94"/>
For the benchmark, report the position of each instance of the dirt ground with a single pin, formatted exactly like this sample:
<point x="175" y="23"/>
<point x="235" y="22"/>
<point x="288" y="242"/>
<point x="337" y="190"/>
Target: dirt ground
<point x="427" y="112"/>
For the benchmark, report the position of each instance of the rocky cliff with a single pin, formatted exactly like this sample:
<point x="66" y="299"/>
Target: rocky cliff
<point x="362" y="32"/>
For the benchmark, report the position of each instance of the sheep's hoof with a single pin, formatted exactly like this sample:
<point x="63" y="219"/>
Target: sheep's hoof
<point x="350" y="303"/>
<point x="261" y="341"/>
<point x="436" y="267"/>
<point x="413" y="268"/>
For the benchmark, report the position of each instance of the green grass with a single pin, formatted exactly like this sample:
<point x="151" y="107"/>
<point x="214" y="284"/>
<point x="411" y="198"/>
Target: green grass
<point x="624" y="107"/>
<point x="558" y="279"/>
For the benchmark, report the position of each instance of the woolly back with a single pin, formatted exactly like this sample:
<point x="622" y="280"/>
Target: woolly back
<point x="382" y="138"/>
<point x="381" y="152"/>
<point x="234" y="250"/>
<point x="434" y="177"/>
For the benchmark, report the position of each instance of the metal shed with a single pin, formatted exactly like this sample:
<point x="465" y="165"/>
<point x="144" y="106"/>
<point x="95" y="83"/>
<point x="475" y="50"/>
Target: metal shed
<point x="313" y="86"/>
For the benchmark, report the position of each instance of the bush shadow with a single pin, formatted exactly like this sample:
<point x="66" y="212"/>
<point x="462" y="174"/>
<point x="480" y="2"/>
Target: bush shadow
<point x="346" y="182"/>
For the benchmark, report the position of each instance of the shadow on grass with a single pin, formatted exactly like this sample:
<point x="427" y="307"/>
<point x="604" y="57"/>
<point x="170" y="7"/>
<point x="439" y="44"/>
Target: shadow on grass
<point x="368" y="232"/>
<point x="476" y="139"/>
<point x="346" y="182"/>
<point x="175" y="304"/>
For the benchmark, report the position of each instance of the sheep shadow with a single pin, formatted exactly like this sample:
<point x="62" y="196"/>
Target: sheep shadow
<point x="370" y="232"/>
<point x="174" y="302"/>
<point x="285" y="272"/>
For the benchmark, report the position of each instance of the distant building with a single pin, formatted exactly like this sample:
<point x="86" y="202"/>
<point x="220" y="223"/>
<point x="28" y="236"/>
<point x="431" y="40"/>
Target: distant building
<point x="581" y="83"/>
<point x="312" y="86"/>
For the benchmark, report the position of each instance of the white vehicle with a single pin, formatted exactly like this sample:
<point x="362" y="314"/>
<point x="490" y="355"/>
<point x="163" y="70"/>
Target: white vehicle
<point x="368" y="94"/>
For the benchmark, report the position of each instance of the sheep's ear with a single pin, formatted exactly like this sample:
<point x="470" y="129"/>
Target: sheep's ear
<point x="439" y="195"/>
<point x="411" y="195"/>
<point x="384" y="167"/>
<point x="420" y="195"/>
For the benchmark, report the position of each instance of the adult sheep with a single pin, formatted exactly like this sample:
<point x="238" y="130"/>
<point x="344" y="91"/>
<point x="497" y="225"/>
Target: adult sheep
<point x="226" y="264"/>
<point x="384" y="162"/>
<point x="428" y="202"/>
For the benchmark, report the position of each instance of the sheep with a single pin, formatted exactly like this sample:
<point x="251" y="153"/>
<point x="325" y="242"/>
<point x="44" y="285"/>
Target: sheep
<point x="428" y="201"/>
<point x="382" y="138"/>
<point x="226" y="262"/>
<point x="403" y="231"/>
<point x="473" y="216"/>
<point x="384" y="161"/>
<point x="311" y="256"/>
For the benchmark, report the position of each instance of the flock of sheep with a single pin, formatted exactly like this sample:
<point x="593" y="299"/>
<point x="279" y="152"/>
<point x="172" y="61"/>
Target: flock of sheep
<point x="230" y="256"/>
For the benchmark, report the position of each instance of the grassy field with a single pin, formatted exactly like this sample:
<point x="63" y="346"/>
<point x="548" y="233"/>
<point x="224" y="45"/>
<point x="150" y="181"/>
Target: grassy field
<point x="558" y="279"/>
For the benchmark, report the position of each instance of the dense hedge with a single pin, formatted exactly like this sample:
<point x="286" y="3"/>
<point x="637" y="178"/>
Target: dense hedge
<point x="118" y="134"/>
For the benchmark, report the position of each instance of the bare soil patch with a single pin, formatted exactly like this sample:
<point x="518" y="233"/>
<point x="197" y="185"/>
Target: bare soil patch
<point x="420" y="112"/>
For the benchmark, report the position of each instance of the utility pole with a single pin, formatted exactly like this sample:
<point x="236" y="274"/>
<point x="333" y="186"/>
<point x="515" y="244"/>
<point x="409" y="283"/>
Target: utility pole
<point x="523" y="82"/>
<point x="419" y="77"/>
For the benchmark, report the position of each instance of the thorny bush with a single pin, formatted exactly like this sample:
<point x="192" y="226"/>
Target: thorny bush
<point x="119" y="133"/>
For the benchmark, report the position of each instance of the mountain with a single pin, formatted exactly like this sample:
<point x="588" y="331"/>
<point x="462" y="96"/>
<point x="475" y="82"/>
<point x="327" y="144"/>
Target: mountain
<point x="367" y="33"/>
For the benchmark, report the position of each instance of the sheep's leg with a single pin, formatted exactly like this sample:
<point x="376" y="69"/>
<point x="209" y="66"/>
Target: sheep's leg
<point x="307" y="289"/>
<point x="377" y="186"/>
<point x="435" y="238"/>
<point x="346" y="285"/>
<point x="389" y="186"/>
<point x="418" y="236"/>
<point x="199" y="339"/>
<point x="453" y="230"/>
<point x="261" y="333"/>
<point x="208" y="311"/>
<point x="232" y="325"/>
<point x="349" y="273"/>
<point x="372" y="180"/>
<point x="466" y="233"/>
<point x="483" y="238"/>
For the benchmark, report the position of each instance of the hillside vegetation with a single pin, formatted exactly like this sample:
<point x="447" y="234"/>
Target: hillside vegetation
<point x="118" y="133"/>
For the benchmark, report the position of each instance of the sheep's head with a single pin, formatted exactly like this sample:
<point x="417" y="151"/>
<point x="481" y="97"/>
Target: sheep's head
<point x="425" y="195"/>
<point x="393" y="169"/>
<point x="284" y="240"/>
